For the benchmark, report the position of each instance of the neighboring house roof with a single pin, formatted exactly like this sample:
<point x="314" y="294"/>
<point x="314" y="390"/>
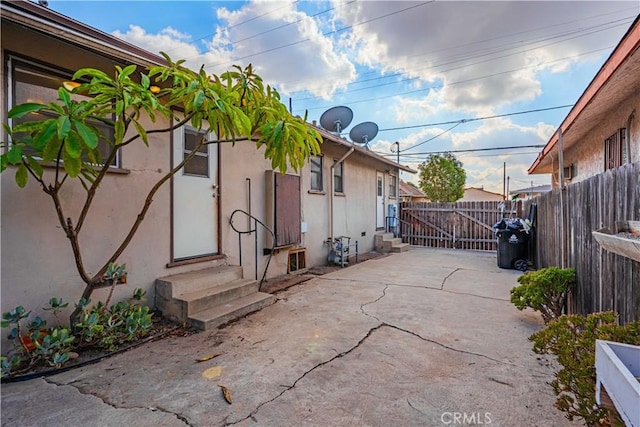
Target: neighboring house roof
<point x="328" y="136"/>
<point x="617" y="80"/>
<point x="473" y="193"/>
<point x="536" y="190"/>
<point x="407" y="190"/>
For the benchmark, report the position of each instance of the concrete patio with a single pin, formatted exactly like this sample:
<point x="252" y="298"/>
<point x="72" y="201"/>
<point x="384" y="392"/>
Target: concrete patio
<point x="421" y="338"/>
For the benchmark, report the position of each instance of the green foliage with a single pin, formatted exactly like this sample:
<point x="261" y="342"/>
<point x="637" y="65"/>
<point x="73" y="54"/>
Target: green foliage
<point x="56" y="305"/>
<point x="544" y="290"/>
<point x="115" y="272"/>
<point x="108" y="328"/>
<point x="442" y="178"/>
<point x="9" y="365"/>
<point x="572" y="339"/>
<point x="37" y="345"/>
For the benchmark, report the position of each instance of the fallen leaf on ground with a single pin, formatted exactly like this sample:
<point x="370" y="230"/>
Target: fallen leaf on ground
<point x="212" y="373"/>
<point x="226" y="393"/>
<point x="209" y="357"/>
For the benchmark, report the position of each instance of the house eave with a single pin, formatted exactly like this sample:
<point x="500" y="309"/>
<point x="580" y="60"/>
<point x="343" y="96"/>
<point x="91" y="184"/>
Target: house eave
<point x="36" y="17"/>
<point x="328" y="136"/>
<point x="594" y="99"/>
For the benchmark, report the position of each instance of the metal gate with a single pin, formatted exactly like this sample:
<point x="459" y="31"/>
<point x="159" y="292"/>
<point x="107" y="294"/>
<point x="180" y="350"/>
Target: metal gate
<point x="461" y="225"/>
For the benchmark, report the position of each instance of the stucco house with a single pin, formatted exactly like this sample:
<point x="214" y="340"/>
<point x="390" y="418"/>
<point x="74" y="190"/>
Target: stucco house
<point x="527" y="193"/>
<point x="345" y="191"/>
<point x="473" y="194"/>
<point x="602" y="130"/>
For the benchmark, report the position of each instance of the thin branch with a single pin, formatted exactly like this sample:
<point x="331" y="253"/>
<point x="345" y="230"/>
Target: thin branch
<point x="58" y="163"/>
<point x="36" y="177"/>
<point x="143" y="212"/>
<point x="105" y="168"/>
<point x="67" y="226"/>
<point x="170" y="128"/>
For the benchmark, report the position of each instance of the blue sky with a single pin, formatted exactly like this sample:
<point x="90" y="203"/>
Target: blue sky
<point x="403" y="65"/>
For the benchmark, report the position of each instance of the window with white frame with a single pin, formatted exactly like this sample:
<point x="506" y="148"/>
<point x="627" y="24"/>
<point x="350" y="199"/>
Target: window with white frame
<point x="392" y="186"/>
<point x="34" y="82"/>
<point x="615" y="150"/>
<point x="199" y="163"/>
<point x="338" y="184"/>
<point x="316" y="173"/>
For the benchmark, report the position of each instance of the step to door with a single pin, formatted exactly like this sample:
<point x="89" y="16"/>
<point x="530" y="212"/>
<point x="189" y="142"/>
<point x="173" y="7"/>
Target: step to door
<point x="201" y="300"/>
<point x="222" y="313"/>
<point x="193" y="281"/>
<point x="400" y="247"/>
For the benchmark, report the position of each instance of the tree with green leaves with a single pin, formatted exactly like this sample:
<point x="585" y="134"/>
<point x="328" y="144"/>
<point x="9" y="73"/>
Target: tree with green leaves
<point x="442" y="178"/>
<point x="235" y="105"/>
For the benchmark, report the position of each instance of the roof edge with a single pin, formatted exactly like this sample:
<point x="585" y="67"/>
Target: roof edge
<point x="627" y="46"/>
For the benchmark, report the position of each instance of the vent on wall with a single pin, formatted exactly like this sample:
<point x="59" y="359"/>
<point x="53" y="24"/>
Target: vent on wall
<point x="570" y="172"/>
<point x="297" y="260"/>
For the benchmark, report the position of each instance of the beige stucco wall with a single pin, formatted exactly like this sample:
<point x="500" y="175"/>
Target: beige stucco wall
<point x="588" y="155"/>
<point x="477" y="195"/>
<point x="36" y="260"/>
<point x="354" y="211"/>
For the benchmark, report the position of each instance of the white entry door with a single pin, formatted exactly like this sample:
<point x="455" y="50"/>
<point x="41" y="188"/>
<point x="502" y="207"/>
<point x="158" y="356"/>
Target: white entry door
<point x="379" y="200"/>
<point x="195" y="197"/>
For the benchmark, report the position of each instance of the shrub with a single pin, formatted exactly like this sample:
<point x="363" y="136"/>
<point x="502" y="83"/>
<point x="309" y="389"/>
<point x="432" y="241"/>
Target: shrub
<point x="544" y="290"/>
<point x="108" y="328"/>
<point x="572" y="339"/>
<point x="37" y="345"/>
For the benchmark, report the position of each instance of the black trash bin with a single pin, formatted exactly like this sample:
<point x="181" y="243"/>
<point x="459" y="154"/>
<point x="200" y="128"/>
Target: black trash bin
<point x="513" y="249"/>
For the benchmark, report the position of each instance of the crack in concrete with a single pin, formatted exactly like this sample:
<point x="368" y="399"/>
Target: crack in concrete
<point x="446" y="346"/>
<point x="83" y="391"/>
<point x="410" y="404"/>
<point x="384" y="294"/>
<point x="476" y="295"/>
<point x="383" y="323"/>
<point x="290" y="387"/>
<point x="447" y="277"/>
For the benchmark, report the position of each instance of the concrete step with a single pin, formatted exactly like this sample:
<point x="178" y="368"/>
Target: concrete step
<point x="202" y="299"/>
<point x="402" y="247"/>
<point x="193" y="281"/>
<point x="223" y="313"/>
<point x="388" y="244"/>
<point x="381" y="237"/>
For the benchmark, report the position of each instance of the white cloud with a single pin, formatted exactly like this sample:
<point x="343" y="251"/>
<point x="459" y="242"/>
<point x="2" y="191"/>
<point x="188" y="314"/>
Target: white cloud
<point x="479" y="50"/>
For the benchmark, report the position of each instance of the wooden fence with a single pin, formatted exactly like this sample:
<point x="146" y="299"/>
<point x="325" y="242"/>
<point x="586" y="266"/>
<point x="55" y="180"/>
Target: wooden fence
<point x="565" y="220"/>
<point x="461" y="225"/>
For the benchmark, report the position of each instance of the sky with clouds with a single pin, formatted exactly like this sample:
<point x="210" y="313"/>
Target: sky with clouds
<point x="432" y="75"/>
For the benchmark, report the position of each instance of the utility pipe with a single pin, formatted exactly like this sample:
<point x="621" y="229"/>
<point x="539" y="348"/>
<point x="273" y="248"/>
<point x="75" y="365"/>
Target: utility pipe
<point x="561" y="178"/>
<point x="333" y="166"/>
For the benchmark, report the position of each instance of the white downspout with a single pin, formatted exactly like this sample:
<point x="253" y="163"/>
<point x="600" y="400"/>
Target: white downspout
<point x="333" y="166"/>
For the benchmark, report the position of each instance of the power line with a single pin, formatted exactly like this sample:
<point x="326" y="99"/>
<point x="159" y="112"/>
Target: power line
<point x="324" y="34"/>
<point x="537" y="110"/>
<point x="470" y="150"/>
<point x="409" y="79"/>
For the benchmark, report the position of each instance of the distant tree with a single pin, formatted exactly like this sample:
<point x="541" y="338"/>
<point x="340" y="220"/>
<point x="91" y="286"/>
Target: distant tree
<point x="442" y="178"/>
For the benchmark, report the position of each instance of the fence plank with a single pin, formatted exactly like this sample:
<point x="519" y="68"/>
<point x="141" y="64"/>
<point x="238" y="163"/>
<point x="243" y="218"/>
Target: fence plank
<point x="461" y="225"/>
<point x="605" y="281"/>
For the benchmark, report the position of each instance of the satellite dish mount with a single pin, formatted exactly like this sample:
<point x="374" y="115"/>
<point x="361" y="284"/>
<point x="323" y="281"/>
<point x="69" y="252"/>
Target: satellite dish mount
<point x="363" y="133"/>
<point x="335" y="119"/>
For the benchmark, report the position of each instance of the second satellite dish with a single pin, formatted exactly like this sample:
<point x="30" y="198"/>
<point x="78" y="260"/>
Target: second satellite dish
<point x="363" y="132"/>
<point x="335" y="119"/>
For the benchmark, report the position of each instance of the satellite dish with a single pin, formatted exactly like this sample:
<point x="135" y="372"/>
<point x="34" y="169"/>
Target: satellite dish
<point x="363" y="132"/>
<point x="336" y="118"/>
